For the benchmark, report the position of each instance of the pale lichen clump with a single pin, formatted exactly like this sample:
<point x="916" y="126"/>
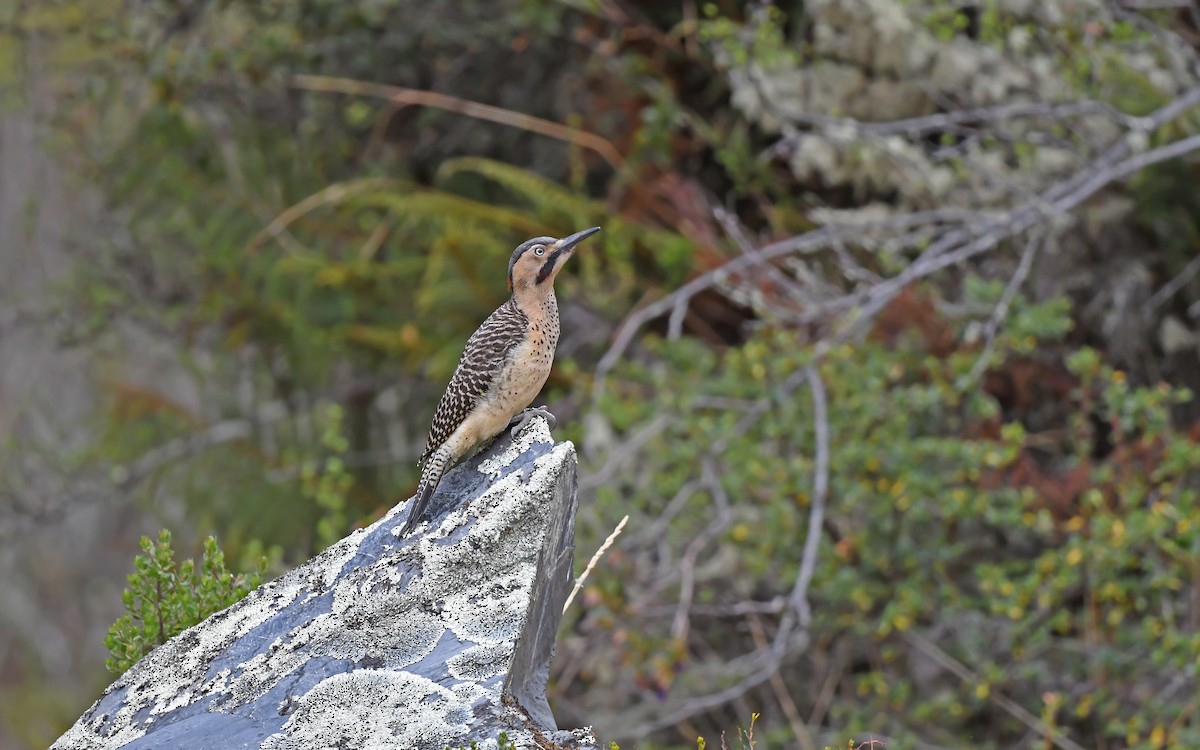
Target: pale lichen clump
<point x="371" y="708"/>
<point x="876" y="61"/>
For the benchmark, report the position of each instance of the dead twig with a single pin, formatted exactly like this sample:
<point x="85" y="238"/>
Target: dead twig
<point x="592" y="563"/>
<point x="403" y="97"/>
<point x="330" y="195"/>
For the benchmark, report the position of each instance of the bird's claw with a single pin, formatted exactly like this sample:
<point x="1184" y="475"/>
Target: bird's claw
<point x="517" y="423"/>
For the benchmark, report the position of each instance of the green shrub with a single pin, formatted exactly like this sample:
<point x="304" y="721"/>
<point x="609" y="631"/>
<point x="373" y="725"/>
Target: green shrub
<point x="998" y="558"/>
<point x="163" y="599"/>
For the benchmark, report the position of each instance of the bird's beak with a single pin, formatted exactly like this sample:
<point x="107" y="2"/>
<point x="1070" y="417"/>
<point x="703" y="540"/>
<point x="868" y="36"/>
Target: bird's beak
<point x="568" y="243"/>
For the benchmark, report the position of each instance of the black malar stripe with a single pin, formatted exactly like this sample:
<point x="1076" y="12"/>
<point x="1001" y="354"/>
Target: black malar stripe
<point x="548" y="266"/>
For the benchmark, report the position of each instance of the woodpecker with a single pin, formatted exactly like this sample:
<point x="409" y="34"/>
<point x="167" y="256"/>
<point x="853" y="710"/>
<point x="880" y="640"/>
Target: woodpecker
<point x="503" y="367"/>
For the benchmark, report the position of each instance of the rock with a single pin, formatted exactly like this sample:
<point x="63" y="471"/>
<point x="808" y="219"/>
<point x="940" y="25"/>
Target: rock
<point x="423" y="643"/>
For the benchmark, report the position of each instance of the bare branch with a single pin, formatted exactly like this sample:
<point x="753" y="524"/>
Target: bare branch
<point x="798" y="599"/>
<point x="945" y="121"/>
<point x="1172" y="287"/>
<point x="687" y="565"/>
<point x="955" y="246"/>
<point x="702" y="703"/>
<point x="130" y="474"/>
<point x="992" y="327"/>
<point x="815" y="240"/>
<point x="628" y="449"/>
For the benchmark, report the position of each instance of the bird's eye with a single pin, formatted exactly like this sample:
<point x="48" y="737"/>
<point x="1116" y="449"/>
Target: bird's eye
<point x="539" y="250"/>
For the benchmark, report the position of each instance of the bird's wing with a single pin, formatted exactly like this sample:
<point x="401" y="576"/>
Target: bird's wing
<point x="481" y="361"/>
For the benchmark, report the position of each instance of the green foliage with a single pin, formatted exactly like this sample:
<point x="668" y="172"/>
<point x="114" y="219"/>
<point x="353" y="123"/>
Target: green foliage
<point x="946" y="21"/>
<point x="1168" y="208"/>
<point x="737" y="45"/>
<point x="948" y="519"/>
<point x="328" y="483"/>
<point x="163" y="598"/>
<point x="503" y="743"/>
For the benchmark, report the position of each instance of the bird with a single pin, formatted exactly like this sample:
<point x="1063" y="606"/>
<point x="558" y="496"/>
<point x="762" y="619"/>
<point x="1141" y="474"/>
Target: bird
<point x="503" y="367"/>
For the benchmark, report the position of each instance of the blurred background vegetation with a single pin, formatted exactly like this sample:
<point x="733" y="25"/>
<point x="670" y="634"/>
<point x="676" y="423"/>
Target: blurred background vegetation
<point x="244" y="242"/>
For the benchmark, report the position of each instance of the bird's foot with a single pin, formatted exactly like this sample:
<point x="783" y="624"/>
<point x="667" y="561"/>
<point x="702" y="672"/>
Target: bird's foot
<point x="517" y="423"/>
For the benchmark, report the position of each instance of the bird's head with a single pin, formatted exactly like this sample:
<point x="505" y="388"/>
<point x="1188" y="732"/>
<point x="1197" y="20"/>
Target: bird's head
<point x="537" y="261"/>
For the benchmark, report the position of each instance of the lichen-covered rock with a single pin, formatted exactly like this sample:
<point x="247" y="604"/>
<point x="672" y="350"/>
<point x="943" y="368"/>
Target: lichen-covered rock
<point x="380" y="642"/>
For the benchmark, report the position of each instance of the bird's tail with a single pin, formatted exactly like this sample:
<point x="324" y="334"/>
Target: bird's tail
<point x="431" y="475"/>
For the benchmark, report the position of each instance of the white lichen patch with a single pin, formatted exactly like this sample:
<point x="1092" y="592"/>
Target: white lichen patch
<point x="170" y="677"/>
<point x="91" y="734"/>
<point x="261" y="672"/>
<point x="471" y="693"/>
<point x="398" y="636"/>
<point x="380" y="628"/>
<point x="480" y="662"/>
<point x="340" y="554"/>
<point x="375" y="709"/>
<point x="535" y="431"/>
<point x="496" y="611"/>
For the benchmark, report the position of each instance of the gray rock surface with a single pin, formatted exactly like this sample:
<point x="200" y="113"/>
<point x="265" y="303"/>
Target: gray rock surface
<point x="380" y="642"/>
